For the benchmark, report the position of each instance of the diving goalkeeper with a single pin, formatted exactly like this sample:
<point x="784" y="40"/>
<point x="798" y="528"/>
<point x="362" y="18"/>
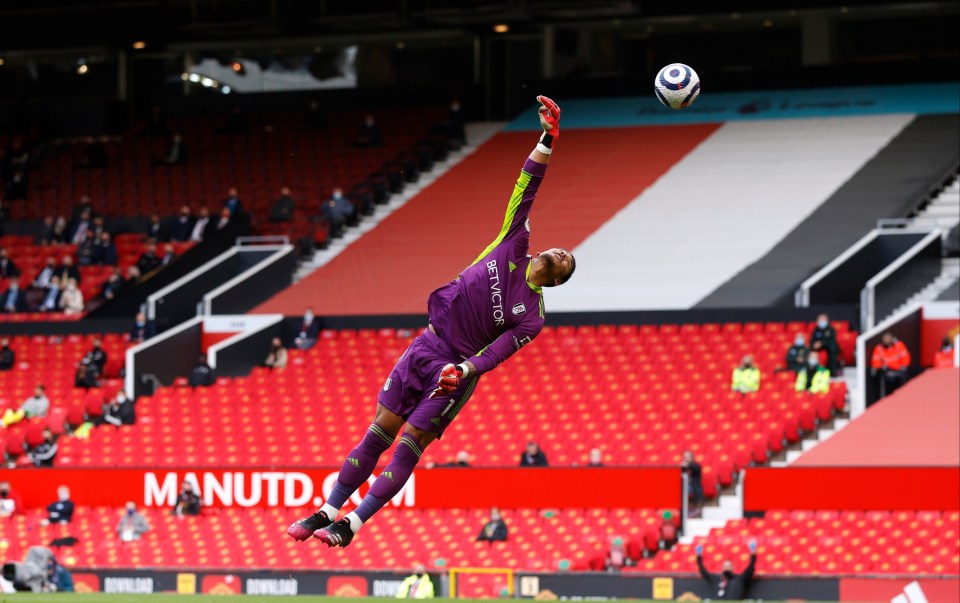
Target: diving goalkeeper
<point x="484" y="316"/>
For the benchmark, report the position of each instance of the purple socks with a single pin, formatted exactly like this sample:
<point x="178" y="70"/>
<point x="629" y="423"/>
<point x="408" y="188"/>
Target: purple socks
<point x="392" y="478"/>
<point x="359" y="464"/>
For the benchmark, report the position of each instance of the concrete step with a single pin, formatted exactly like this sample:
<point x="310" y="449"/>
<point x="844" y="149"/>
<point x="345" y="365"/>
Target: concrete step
<point x="699" y="528"/>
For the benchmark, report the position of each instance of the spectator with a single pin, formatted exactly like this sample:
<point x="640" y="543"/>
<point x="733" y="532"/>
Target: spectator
<point x="35" y="406"/>
<point x="182" y="225"/>
<point x="369" y="134"/>
<point x="99" y="227"/>
<point x="83" y="205"/>
<point x="309" y="331"/>
<point x="337" y="211"/>
<point x="890" y="362"/>
<point x="54" y="231"/>
<point x="7" y="356"/>
<point x="797" y="354"/>
<point x="596" y="458"/>
<point x="71" y="302"/>
<point x="60" y="511"/>
<point x="51" y="300"/>
<point x="456" y="128"/>
<point x="224" y="219"/>
<point x="106" y="254"/>
<point x="691" y="468"/>
<point x="494" y="530"/>
<point x="176" y="152"/>
<point x="945" y="357"/>
<point x="416" y="586"/>
<point x="10" y="502"/>
<point x="201" y="225"/>
<point x="78" y="232"/>
<point x="42" y="281"/>
<point x="97" y="356"/>
<point x="86" y="375"/>
<point x="87" y="251"/>
<point x="8" y="269"/>
<point x="824" y="339"/>
<point x="277" y="358"/>
<point x="746" y="377"/>
<point x="132" y="524"/>
<point x="282" y="210"/>
<point x="133" y="276"/>
<point x="814" y="377"/>
<point x="13" y="299"/>
<point x="148" y="261"/>
<point x="142" y="329"/>
<point x="728" y="585"/>
<point x="461" y="460"/>
<point x="188" y="503"/>
<point x="168" y="255"/>
<point x="68" y="271"/>
<point x="202" y="375"/>
<point x="533" y="456"/>
<point x="617" y="555"/>
<point x="233" y="202"/>
<point x="113" y="285"/>
<point x="120" y="410"/>
<point x="44" y="453"/>
<point x="668" y="531"/>
<point x="155" y="229"/>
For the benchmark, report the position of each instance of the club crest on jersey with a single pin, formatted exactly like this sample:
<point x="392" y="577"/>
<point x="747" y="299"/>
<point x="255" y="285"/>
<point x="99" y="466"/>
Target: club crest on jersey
<point x="389" y="382"/>
<point x="519" y="309"/>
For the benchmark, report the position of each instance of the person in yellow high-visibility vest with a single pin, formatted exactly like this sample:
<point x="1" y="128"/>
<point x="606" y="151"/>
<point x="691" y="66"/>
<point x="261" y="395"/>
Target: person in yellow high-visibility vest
<point x="416" y="586"/>
<point x="746" y="377"/>
<point x="814" y="377"/>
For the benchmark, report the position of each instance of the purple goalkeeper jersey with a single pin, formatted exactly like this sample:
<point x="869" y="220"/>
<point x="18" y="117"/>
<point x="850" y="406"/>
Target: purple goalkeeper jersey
<point x="491" y="310"/>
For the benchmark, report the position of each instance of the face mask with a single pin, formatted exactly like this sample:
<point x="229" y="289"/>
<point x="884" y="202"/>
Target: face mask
<point x="727" y="574"/>
<point x="419" y="574"/>
<point x="822" y="324"/>
<point x="338" y="196"/>
<point x="4" y="493"/>
<point x="798" y="341"/>
<point x="64" y="496"/>
<point x="130" y="512"/>
<point x="813" y="362"/>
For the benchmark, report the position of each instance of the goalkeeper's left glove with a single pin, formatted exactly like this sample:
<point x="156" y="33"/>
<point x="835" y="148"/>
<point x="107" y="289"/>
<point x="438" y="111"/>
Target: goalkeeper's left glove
<point x="550" y="122"/>
<point x="449" y="379"/>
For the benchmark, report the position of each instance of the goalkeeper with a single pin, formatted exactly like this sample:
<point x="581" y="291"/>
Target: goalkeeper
<point x="478" y="320"/>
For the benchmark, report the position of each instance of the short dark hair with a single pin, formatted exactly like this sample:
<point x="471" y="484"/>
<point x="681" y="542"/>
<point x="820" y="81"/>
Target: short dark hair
<point x="573" y="267"/>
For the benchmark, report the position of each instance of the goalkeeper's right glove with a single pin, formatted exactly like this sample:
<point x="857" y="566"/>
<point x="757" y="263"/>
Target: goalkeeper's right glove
<point x="550" y="122"/>
<point x="449" y="379"/>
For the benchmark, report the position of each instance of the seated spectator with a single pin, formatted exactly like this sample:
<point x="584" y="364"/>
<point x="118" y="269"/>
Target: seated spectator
<point x="54" y="231"/>
<point x="8" y="269"/>
<point x="337" y="211"/>
<point x="494" y="530"/>
<point x="617" y="556"/>
<point x="132" y="524"/>
<point x="142" y="329"/>
<point x="416" y="586"/>
<point x="202" y="375"/>
<point x="51" y="299"/>
<point x="282" y="210"/>
<point x="668" y="531"/>
<point x="176" y="152"/>
<point x="68" y="271"/>
<point x="369" y="134"/>
<point x="182" y="225"/>
<point x="87" y="251"/>
<point x="890" y="362"/>
<point x="42" y="280"/>
<point x="156" y="231"/>
<point x="120" y="410"/>
<point x="97" y="356"/>
<point x="277" y="358"/>
<point x="691" y="468"/>
<point x="824" y="338"/>
<point x="7" y="356"/>
<point x="596" y="458"/>
<point x="113" y="285"/>
<point x="224" y="219"/>
<point x="60" y="511"/>
<point x="87" y="375"/>
<point x="13" y="299"/>
<point x="746" y="377"/>
<point x="106" y="253"/>
<point x="148" y="261"/>
<point x="133" y="276"/>
<point x="168" y="255"/>
<point x="533" y="456"/>
<point x="309" y="331"/>
<point x="78" y="231"/>
<point x="814" y="377"/>
<point x="188" y="503"/>
<point x="35" y="406"/>
<point x="44" y="453"/>
<point x="201" y="225"/>
<point x="233" y="202"/>
<point x="797" y="354"/>
<point x="99" y="227"/>
<point x="944" y="358"/>
<point x="462" y="460"/>
<point x="10" y="502"/>
<point x="71" y="302"/>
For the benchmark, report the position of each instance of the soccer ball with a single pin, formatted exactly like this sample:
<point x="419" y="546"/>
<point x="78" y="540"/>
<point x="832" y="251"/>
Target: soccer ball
<point x="677" y="86"/>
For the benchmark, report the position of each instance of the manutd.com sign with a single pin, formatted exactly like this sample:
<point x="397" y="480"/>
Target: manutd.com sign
<point x="448" y="488"/>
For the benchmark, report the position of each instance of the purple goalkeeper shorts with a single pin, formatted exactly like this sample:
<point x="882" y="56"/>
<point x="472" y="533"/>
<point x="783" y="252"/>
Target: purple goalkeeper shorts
<point x="408" y="388"/>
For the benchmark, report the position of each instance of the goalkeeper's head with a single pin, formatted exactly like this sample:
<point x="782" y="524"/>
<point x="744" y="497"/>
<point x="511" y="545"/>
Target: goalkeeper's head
<point x="554" y="267"/>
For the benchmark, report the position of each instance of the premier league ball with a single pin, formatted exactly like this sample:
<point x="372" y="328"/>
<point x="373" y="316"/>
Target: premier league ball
<point x="677" y="86"/>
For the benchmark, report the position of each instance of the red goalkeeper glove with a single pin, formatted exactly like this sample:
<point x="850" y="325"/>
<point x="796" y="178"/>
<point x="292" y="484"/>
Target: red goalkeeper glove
<point x="449" y="380"/>
<point x="550" y="122"/>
